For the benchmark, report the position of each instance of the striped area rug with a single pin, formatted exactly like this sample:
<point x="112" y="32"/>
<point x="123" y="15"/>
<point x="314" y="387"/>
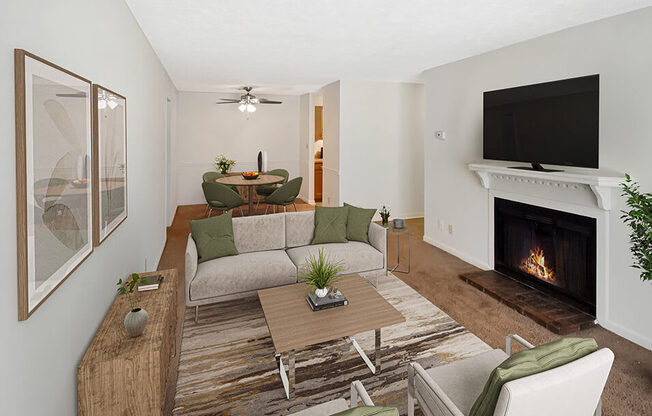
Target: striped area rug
<point x="227" y="364"/>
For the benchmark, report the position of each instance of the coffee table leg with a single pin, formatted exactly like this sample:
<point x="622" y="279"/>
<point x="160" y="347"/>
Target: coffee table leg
<point x="377" y="352"/>
<point x="363" y="355"/>
<point x="287" y="379"/>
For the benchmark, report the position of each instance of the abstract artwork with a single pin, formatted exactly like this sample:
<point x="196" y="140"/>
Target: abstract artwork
<point x="110" y="164"/>
<point x="53" y="177"/>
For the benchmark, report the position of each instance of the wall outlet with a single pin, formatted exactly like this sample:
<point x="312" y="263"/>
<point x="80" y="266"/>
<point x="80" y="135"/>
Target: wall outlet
<point x="450" y="228"/>
<point x="440" y="134"/>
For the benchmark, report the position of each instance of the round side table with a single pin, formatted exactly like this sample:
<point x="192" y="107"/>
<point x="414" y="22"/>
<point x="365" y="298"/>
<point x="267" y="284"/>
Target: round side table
<point x="398" y="232"/>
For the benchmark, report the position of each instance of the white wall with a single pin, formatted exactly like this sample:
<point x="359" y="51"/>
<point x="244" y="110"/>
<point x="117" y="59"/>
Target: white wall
<point x="102" y="42"/>
<point x="618" y="49"/>
<point x="206" y="130"/>
<point x="331" y="163"/>
<point x="381" y="146"/>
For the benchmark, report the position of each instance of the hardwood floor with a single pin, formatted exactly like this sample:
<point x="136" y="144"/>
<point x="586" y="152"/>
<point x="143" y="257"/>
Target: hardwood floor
<point x="435" y="275"/>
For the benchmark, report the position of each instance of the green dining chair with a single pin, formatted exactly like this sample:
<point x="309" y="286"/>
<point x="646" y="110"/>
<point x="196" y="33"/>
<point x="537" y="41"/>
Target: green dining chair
<point x="212" y="176"/>
<point x="285" y="195"/>
<point x="221" y="197"/>
<point x="267" y="190"/>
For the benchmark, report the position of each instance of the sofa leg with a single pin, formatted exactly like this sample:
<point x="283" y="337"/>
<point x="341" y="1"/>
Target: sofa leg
<point x="196" y="313"/>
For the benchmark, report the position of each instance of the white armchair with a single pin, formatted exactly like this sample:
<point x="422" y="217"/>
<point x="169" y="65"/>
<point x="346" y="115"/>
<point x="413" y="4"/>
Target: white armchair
<point x="571" y="389"/>
<point x="358" y="393"/>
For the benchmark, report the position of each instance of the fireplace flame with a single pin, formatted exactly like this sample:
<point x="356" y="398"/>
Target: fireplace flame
<point x="535" y="264"/>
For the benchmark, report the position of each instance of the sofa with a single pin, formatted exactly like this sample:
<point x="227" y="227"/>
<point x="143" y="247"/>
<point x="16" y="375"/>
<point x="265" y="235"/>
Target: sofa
<point x="272" y="249"/>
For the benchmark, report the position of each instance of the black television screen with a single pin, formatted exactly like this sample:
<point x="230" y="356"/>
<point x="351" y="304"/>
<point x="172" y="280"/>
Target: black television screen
<point x="553" y="122"/>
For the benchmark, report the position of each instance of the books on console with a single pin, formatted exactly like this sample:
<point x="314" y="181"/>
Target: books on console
<point x="153" y="283"/>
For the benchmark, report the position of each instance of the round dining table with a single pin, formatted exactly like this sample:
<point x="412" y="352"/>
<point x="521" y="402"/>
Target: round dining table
<point x="239" y="180"/>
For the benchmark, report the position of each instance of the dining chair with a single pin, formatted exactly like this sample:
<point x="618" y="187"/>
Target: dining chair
<point x="221" y="197"/>
<point x="267" y="190"/>
<point x="285" y="195"/>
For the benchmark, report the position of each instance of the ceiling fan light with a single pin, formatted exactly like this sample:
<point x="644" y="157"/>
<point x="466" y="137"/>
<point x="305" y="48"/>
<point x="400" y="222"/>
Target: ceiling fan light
<point x="251" y="108"/>
<point x="242" y="108"/>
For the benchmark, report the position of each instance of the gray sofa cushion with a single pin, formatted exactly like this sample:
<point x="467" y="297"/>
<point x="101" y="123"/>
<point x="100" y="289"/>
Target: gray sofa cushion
<point x="242" y="273"/>
<point x="355" y="256"/>
<point x="463" y="380"/>
<point x="299" y="228"/>
<point x="259" y="233"/>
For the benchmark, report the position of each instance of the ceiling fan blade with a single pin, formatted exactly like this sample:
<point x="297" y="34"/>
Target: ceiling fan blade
<point x="266" y="101"/>
<point x="228" y="101"/>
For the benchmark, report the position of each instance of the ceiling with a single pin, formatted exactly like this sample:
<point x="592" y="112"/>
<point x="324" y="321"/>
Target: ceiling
<point x="295" y="46"/>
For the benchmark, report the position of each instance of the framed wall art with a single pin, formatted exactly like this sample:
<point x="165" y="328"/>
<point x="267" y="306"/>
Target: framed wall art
<point x="110" y="163"/>
<point x="53" y="177"/>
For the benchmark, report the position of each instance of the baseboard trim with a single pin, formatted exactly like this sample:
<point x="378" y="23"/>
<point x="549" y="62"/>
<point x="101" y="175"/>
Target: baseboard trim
<point x="630" y="335"/>
<point x="455" y="252"/>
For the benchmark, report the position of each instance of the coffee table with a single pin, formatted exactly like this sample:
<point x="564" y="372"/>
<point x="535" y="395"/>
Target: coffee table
<point x="293" y="325"/>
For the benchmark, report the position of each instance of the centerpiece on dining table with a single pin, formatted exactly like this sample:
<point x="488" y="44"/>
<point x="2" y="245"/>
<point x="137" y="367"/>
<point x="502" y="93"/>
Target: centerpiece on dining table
<point x="250" y="175"/>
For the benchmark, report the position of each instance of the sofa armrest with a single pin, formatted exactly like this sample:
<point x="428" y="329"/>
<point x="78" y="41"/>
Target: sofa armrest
<point x="378" y="239"/>
<point x="191" y="265"/>
<point x="430" y="395"/>
<point x="358" y="391"/>
<point x="517" y="338"/>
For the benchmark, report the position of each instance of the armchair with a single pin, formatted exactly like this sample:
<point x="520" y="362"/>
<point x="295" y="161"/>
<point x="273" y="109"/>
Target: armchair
<point x="451" y="390"/>
<point x="358" y="393"/>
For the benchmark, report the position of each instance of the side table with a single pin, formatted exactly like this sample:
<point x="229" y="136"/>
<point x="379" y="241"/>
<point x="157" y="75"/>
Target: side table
<point x="398" y="232"/>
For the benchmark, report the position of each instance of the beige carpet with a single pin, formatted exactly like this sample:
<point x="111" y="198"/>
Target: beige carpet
<point x="227" y="364"/>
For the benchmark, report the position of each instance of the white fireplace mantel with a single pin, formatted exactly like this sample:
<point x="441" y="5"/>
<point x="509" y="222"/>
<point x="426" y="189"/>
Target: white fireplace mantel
<point x="575" y="183"/>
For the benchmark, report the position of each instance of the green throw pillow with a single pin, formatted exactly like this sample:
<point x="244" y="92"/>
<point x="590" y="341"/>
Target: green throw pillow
<point x="357" y="226"/>
<point x="214" y="237"/>
<point x="529" y="362"/>
<point x="330" y="225"/>
<point x="369" y="411"/>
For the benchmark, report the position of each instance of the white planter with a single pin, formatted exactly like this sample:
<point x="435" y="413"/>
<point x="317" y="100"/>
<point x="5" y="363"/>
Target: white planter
<point x="321" y="292"/>
<point x="135" y="322"/>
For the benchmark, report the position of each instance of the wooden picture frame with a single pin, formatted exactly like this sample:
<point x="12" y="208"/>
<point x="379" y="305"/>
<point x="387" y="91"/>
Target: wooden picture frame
<point x="109" y="163"/>
<point x="53" y="177"/>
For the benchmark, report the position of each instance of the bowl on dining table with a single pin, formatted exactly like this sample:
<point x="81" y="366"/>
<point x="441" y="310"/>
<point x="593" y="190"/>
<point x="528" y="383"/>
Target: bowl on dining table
<point x="250" y="175"/>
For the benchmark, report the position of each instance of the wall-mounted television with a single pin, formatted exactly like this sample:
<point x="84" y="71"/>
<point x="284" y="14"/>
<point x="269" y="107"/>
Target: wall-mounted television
<point x="553" y="123"/>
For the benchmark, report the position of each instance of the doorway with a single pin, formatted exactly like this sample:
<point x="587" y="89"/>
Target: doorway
<point x="319" y="152"/>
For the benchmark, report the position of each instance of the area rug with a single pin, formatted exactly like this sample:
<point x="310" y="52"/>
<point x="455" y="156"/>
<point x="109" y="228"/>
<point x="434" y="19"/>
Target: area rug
<point x="227" y="364"/>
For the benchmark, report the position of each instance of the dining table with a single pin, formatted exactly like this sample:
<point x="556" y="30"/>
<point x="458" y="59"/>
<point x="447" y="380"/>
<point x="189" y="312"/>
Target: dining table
<point x="239" y="180"/>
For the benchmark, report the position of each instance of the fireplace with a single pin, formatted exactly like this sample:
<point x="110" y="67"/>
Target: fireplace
<point x="552" y="251"/>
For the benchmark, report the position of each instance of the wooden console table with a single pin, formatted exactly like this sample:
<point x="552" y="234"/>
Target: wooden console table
<point x="134" y="376"/>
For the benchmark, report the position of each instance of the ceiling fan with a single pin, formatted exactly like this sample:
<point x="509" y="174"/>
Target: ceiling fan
<point x="247" y="101"/>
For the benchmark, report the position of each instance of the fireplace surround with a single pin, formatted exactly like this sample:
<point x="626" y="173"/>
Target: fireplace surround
<point x="552" y="251"/>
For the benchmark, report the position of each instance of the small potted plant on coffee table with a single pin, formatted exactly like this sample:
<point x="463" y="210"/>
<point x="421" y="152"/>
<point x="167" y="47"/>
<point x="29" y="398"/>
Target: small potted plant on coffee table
<point x="137" y="318"/>
<point x="319" y="272"/>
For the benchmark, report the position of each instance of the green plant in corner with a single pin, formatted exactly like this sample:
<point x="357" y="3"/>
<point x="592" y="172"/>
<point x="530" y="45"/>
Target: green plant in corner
<point x="639" y="219"/>
<point x="320" y="271"/>
<point x="127" y="288"/>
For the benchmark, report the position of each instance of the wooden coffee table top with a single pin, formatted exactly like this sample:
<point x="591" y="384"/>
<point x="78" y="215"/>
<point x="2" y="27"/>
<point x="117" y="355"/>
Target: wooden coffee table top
<point x="293" y="325"/>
